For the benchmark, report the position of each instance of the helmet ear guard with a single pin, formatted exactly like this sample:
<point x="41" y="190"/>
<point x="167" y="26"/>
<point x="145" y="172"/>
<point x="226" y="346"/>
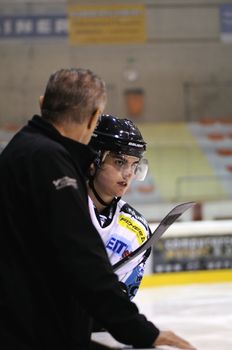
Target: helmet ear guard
<point x="99" y="158"/>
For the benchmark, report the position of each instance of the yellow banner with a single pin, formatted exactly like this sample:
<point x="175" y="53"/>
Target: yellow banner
<point x="108" y="24"/>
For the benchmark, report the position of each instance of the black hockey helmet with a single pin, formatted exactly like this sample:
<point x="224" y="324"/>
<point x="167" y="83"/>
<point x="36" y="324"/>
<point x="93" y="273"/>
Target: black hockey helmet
<point x="119" y="136"/>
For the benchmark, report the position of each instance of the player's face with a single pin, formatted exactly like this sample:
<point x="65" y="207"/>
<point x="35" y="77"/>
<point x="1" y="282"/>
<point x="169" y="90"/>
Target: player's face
<point x="115" y="175"/>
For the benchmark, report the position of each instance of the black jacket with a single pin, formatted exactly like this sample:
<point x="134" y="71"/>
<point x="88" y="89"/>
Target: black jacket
<point x="54" y="271"/>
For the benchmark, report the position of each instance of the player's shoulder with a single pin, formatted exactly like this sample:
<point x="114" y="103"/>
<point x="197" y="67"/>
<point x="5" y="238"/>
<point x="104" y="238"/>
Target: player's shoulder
<point x="126" y="208"/>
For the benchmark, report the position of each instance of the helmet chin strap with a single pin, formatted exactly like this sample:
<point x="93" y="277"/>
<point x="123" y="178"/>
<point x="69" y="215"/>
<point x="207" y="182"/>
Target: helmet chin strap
<point x="100" y="200"/>
<point x="98" y="163"/>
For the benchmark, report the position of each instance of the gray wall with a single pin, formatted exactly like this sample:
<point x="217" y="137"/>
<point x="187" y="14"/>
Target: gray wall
<point x="184" y="68"/>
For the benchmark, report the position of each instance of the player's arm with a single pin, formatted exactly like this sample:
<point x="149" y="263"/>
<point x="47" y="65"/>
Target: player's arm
<point x="133" y="279"/>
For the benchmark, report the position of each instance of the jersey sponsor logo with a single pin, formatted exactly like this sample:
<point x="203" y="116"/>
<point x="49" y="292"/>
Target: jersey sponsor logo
<point x="65" y="182"/>
<point x="126" y="253"/>
<point x="131" y="225"/>
<point x="135" y="214"/>
<point x="118" y="245"/>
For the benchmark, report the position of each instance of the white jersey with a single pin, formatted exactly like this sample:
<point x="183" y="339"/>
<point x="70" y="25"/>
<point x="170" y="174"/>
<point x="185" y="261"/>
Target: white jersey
<point x="125" y="232"/>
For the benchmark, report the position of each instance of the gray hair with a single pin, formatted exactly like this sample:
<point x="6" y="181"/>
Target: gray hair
<point x="73" y="95"/>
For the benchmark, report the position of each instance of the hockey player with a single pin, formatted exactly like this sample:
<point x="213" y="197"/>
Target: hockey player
<point x="120" y="148"/>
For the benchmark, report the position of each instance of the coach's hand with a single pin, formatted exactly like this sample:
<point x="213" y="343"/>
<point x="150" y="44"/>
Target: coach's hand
<point x="171" y="339"/>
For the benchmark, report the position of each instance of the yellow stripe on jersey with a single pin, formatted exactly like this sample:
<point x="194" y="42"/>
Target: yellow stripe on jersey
<point x="133" y="226"/>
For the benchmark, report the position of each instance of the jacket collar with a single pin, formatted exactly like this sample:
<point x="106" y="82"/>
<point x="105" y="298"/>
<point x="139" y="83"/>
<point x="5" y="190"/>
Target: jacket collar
<point x="81" y="154"/>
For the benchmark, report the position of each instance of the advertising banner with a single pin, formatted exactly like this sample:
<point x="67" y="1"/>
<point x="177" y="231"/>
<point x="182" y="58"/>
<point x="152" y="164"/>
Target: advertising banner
<point x="108" y="24"/>
<point x="226" y="22"/>
<point x="27" y="26"/>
